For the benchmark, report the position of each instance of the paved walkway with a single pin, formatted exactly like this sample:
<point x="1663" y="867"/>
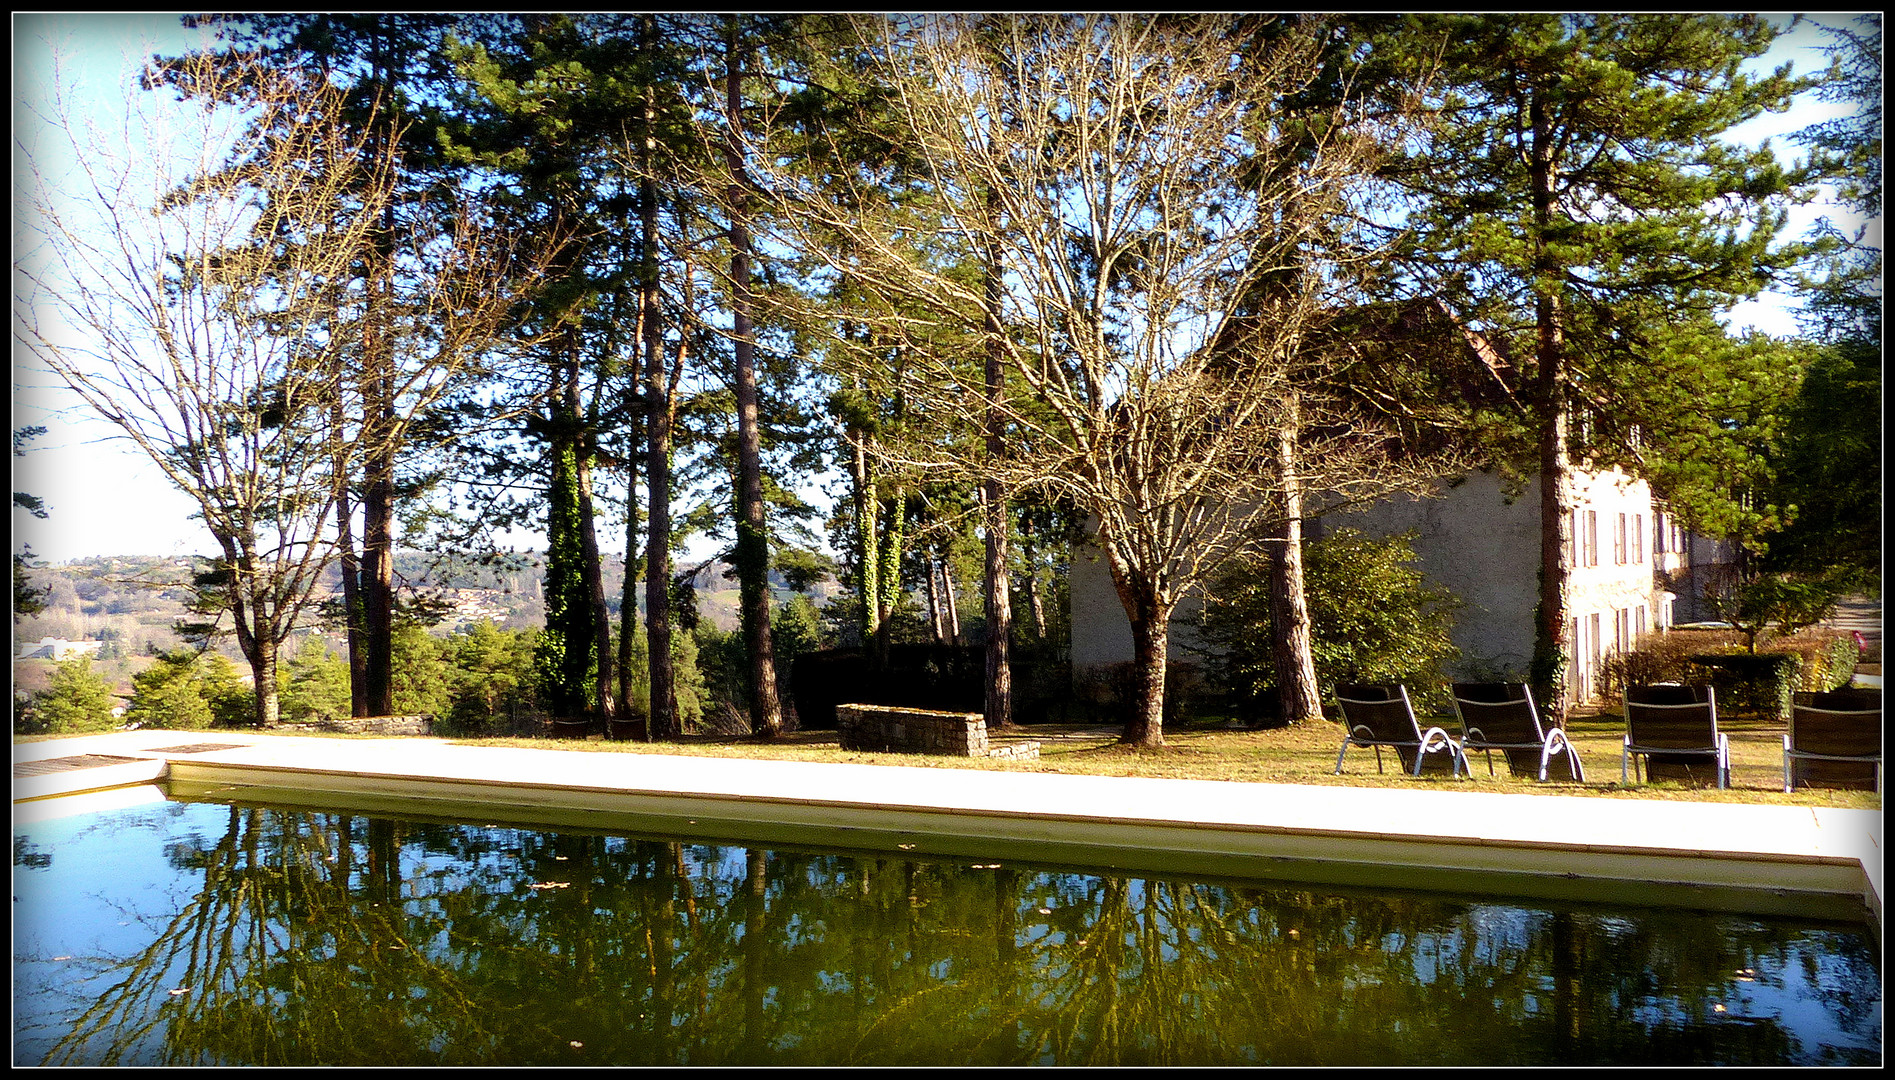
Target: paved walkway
<point x="1865" y="617"/>
<point x="1550" y="846"/>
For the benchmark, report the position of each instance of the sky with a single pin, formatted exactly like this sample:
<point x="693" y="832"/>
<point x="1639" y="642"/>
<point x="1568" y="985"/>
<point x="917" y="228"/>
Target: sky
<point x="105" y="498"/>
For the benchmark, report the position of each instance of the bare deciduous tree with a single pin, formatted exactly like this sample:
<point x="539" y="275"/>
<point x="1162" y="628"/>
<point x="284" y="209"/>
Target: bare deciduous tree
<point x="196" y="289"/>
<point x="1137" y="181"/>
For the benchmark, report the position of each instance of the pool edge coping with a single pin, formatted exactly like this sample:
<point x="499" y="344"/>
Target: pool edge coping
<point x="1479" y="852"/>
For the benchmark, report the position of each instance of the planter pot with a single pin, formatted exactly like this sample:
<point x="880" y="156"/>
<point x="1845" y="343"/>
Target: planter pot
<point x="565" y="728"/>
<point x="628" y="730"/>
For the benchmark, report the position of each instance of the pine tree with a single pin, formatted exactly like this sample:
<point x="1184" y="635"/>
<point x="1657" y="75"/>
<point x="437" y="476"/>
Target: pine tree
<point x="1578" y="185"/>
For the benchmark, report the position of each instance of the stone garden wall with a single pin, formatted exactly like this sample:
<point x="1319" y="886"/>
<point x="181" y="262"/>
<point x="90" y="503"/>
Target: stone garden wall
<point x="885" y="728"/>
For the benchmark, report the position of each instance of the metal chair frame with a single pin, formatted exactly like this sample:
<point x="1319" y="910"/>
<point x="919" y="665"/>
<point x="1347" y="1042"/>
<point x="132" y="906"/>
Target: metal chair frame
<point x="1554" y="741"/>
<point x="1718" y="753"/>
<point x="1432" y="740"/>
<point x="1790" y="754"/>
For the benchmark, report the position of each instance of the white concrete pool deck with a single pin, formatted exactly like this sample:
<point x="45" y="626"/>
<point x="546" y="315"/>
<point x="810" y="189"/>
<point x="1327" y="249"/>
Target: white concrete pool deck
<point x="1548" y="845"/>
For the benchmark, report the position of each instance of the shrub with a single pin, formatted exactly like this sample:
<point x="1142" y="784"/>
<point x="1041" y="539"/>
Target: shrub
<point x="1829" y="657"/>
<point x="1109" y="692"/>
<point x="1373" y="619"/>
<point x="314" y="684"/>
<point x="491" y="679"/>
<point x="1752" y="684"/>
<point x="77" y="700"/>
<point x="1757" y="684"/>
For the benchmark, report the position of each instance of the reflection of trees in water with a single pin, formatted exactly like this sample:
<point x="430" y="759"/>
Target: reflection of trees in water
<point x="342" y="940"/>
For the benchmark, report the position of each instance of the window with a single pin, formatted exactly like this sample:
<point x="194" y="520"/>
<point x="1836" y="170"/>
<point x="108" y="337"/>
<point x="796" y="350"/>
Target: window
<point x="1638" y="624"/>
<point x="1572" y="540"/>
<point x="1577" y="684"/>
<point x="1621" y="551"/>
<point x="1592" y="538"/>
<point x="1594" y="652"/>
<point x="1638" y="539"/>
<point x="1658" y="534"/>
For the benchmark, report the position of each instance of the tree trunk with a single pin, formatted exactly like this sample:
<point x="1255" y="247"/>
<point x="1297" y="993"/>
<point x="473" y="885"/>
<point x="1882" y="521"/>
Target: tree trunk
<point x="936" y="617"/>
<point x="1036" y="603"/>
<point x="594" y="577"/>
<point x="994" y="580"/>
<point x="1550" y="644"/>
<point x="1151" y="628"/>
<point x="661" y="718"/>
<point x="868" y="581"/>
<point x="1030" y="551"/>
<point x="753" y="547"/>
<point x="999" y="611"/>
<point x="953" y="606"/>
<point x="263" y="671"/>
<point x="378" y="587"/>
<point x="350" y="564"/>
<point x="1298" y="696"/>
<point x="888" y="556"/>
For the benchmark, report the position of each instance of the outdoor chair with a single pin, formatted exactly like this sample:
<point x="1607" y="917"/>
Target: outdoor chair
<point x="1502" y="716"/>
<point x="1673" y="728"/>
<point x="1835" y="741"/>
<point x="1378" y="716"/>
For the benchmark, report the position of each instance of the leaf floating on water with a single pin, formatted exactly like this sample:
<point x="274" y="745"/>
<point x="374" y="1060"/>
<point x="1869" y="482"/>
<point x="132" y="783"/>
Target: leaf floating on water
<point x="575" y="1044"/>
<point x="62" y="957"/>
<point x="1717" y="1008"/>
<point x="550" y="885"/>
<point x="906" y="847"/>
<point x="559" y="858"/>
<point x="985" y="866"/>
<point x="1046" y="911"/>
<point x="178" y="991"/>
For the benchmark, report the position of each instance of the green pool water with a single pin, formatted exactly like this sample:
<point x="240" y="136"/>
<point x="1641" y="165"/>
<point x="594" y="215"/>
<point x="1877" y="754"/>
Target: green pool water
<point x="186" y="933"/>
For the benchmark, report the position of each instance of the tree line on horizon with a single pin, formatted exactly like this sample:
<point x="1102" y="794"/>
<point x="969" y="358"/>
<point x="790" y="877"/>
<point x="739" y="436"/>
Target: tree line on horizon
<point x="1008" y="278"/>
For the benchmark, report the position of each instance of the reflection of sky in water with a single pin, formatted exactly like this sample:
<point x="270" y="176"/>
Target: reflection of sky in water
<point x="90" y="891"/>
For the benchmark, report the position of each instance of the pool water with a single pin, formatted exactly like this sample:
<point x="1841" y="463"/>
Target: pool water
<point x="200" y="933"/>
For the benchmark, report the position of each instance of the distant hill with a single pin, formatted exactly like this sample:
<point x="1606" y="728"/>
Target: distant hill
<point x="130" y="602"/>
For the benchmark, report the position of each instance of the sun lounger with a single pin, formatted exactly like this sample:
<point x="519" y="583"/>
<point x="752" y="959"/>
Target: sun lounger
<point x="1834" y="741"/>
<point x="1378" y="716"/>
<point x="1672" y="729"/>
<point x="1503" y="717"/>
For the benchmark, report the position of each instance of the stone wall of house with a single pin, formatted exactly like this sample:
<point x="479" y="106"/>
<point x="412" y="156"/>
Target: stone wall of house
<point x="885" y="728"/>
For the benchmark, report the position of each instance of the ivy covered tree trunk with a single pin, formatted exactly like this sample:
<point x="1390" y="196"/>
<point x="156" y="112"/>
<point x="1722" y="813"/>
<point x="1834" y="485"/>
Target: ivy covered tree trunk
<point x="1551" y="649"/>
<point x="564" y="657"/>
<point x="868" y="579"/>
<point x="890" y="539"/>
<point x="592" y="577"/>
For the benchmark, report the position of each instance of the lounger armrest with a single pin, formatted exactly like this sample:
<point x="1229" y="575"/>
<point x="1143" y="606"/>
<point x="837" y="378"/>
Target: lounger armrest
<point x="1437" y="737"/>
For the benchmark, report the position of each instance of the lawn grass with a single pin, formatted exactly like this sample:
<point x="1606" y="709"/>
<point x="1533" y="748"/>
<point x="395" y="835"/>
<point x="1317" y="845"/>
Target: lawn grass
<point x="1305" y="754"/>
<point x="1209" y="749"/>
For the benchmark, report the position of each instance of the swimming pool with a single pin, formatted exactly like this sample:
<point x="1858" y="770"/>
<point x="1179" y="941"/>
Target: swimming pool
<point x="237" y="932"/>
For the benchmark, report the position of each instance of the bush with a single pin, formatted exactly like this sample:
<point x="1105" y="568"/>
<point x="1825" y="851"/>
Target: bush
<point x="1373" y="619"/>
<point x="77" y="700"/>
<point x="1760" y="685"/>
<point x="1756" y="684"/>
<point x="1109" y="692"/>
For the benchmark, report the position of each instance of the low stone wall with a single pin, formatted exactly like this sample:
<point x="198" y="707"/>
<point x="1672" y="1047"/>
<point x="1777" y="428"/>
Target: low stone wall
<point x="377" y="725"/>
<point x="886" y="728"/>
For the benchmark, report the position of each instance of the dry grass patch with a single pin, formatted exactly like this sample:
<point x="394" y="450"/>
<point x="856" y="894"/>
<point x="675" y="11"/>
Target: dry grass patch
<point x="1304" y="754"/>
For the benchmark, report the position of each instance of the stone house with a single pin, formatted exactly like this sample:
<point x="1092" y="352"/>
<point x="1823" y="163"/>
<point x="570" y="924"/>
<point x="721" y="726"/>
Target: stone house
<point x="1635" y="570"/>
